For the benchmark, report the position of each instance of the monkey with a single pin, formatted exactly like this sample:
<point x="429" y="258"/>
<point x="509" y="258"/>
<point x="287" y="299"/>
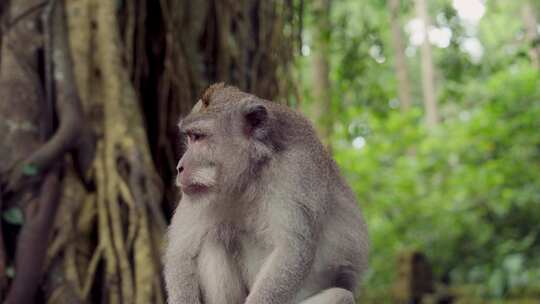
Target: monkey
<point x="265" y="215"/>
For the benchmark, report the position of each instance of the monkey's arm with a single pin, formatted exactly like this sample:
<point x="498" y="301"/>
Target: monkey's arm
<point x="180" y="260"/>
<point x="291" y="260"/>
<point x="181" y="279"/>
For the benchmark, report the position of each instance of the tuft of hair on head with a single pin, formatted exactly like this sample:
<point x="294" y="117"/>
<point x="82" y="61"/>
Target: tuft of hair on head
<point x="207" y="95"/>
<point x="219" y="91"/>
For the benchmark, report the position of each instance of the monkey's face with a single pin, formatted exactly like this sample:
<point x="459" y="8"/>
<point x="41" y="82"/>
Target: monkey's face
<point x="197" y="169"/>
<point x="225" y="148"/>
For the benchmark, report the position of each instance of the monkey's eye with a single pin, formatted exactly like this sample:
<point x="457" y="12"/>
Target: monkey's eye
<point x="195" y="136"/>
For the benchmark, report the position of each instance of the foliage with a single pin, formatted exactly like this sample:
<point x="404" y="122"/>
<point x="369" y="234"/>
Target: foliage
<point x="466" y="192"/>
<point x="13" y="216"/>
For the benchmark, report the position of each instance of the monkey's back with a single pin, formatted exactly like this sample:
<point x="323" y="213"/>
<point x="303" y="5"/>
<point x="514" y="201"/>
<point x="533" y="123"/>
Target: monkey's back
<point x="342" y="253"/>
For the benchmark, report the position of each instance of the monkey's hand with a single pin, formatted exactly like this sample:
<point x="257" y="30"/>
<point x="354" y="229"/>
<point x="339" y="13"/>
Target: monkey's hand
<point x="289" y="263"/>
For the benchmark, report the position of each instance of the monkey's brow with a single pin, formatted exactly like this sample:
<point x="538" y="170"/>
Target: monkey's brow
<point x="198" y="122"/>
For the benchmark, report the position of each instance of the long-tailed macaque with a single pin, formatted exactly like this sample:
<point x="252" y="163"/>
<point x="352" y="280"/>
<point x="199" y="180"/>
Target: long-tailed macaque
<point x="265" y="215"/>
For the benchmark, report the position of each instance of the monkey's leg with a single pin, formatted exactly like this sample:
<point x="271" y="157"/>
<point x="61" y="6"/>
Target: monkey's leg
<point x="331" y="296"/>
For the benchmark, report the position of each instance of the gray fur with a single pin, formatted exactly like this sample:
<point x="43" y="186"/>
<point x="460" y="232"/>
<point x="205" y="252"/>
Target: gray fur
<point x="277" y="223"/>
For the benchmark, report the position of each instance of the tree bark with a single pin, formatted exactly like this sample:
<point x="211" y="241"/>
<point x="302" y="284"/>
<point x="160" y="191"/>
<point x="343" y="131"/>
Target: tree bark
<point x="404" y="87"/>
<point x="531" y="32"/>
<point x="428" y="73"/>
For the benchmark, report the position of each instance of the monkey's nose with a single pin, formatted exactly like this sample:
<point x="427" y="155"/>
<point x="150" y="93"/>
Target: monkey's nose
<point x="180" y="169"/>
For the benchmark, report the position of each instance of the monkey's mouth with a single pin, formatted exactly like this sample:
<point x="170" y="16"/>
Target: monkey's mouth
<point x="194" y="189"/>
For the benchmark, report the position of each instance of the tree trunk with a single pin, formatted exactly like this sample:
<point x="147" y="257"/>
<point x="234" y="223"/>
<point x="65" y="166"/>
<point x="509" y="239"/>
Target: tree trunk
<point x="90" y="95"/>
<point x="321" y="69"/>
<point x="531" y="32"/>
<point x="428" y="74"/>
<point x="404" y="87"/>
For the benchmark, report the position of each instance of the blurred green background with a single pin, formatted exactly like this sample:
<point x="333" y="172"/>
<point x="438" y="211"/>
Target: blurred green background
<point x="463" y="188"/>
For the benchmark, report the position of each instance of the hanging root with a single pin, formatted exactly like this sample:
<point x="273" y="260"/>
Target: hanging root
<point x="31" y="246"/>
<point x="71" y="134"/>
<point x="32" y="243"/>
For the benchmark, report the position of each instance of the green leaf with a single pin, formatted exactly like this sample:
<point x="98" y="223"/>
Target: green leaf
<point x="30" y="170"/>
<point x="10" y="271"/>
<point x="13" y="216"/>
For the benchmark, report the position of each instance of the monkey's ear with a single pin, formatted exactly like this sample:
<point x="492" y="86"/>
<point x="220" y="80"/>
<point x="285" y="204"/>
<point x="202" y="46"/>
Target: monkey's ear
<point x="255" y="116"/>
